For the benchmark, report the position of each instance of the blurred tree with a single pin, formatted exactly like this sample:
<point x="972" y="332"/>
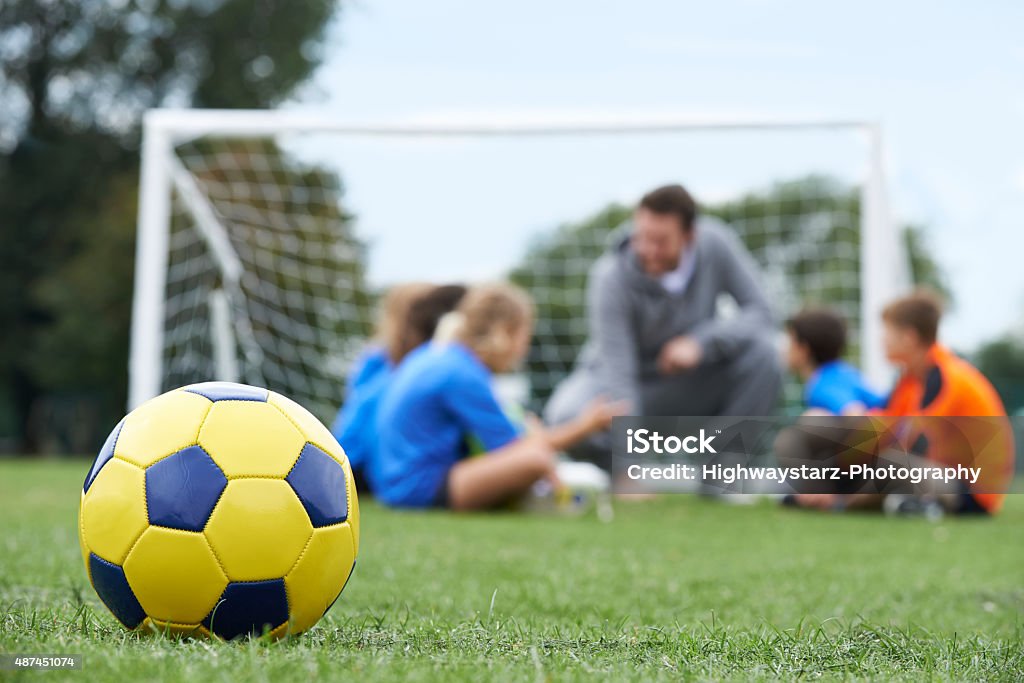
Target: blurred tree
<point x="805" y="234"/>
<point x="1002" y="361"/>
<point x="924" y="270"/>
<point x="75" y="77"/>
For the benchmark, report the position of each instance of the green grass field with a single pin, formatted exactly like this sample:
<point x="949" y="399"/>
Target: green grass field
<point x="679" y="587"/>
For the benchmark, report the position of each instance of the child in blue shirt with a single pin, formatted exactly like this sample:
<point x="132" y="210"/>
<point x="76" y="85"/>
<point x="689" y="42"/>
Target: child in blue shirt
<point x="411" y="314"/>
<point x="441" y="399"/>
<point x="817" y="338"/>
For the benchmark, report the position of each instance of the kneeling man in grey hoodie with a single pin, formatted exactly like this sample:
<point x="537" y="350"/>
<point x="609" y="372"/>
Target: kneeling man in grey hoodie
<point x="656" y="339"/>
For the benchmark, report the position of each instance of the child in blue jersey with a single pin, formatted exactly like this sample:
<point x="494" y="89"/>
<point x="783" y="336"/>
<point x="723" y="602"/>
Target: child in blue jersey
<point x="410" y="316"/>
<point x="441" y="399"/>
<point x="368" y="366"/>
<point x="817" y="338"/>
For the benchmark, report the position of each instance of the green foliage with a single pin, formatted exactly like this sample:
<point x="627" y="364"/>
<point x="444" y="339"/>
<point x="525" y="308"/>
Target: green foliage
<point x="75" y="77"/>
<point x="97" y="65"/>
<point x="925" y="271"/>
<point x="84" y="345"/>
<point x="1002" y="361"/>
<point x="678" y="588"/>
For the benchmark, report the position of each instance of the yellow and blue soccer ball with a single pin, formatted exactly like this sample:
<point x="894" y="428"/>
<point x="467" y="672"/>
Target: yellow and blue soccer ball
<point x="219" y="508"/>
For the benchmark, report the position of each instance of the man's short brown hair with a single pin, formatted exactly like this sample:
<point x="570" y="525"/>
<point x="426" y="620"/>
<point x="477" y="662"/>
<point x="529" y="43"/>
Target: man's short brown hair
<point x="672" y="200"/>
<point x="919" y="311"/>
<point x="822" y="331"/>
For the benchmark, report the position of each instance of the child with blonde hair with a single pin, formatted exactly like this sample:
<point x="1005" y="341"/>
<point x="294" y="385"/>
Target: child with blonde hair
<point x="441" y="399"/>
<point x="409" y="313"/>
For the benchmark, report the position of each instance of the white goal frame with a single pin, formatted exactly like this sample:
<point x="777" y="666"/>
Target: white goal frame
<point x="884" y="266"/>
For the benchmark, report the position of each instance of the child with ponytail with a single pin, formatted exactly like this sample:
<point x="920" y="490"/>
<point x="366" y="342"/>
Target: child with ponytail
<point x="441" y="399"/>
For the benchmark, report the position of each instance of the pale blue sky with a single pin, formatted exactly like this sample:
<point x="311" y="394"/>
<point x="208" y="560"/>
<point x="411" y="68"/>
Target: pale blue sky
<point x="946" y="79"/>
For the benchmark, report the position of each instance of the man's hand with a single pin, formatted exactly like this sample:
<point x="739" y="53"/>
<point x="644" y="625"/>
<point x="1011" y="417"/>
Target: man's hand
<point x="680" y="354"/>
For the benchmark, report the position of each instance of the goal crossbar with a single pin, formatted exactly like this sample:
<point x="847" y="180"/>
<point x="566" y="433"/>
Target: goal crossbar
<point x="239" y="123"/>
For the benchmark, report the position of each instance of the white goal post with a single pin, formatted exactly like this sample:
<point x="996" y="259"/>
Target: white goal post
<point x="883" y="263"/>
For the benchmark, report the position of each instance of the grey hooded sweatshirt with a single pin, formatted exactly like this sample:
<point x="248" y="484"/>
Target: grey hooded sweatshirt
<point x="631" y="316"/>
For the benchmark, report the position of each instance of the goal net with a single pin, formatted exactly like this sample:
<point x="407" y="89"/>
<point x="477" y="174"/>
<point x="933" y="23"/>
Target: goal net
<point x="266" y="238"/>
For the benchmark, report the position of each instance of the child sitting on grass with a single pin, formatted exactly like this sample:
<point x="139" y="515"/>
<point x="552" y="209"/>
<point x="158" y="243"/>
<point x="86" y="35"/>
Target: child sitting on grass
<point x="410" y="314"/>
<point x="817" y="339"/>
<point x="945" y="410"/>
<point x="441" y="399"/>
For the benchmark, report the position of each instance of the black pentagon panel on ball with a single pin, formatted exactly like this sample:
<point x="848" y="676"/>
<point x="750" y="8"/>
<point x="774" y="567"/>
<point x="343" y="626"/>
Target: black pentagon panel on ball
<point x="247" y="608"/>
<point x="183" y="488"/>
<point x="319" y="482"/>
<point x="112" y="586"/>
<point x="229" y="391"/>
<point x="104" y="456"/>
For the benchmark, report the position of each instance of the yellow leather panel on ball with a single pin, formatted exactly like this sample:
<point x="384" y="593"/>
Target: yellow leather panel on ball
<point x="114" y="510"/>
<point x="250" y="438"/>
<point x="174" y="575"/>
<point x="258" y="529"/>
<point x="319" y="575"/>
<point x="160" y="427"/>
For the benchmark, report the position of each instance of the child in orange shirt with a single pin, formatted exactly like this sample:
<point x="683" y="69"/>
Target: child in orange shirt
<point x="951" y="412"/>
